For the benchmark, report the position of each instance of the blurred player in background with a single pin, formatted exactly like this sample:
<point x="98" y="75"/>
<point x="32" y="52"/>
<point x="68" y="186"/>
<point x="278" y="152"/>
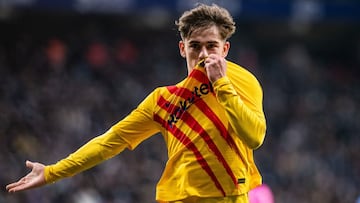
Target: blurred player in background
<point x="211" y="122"/>
<point x="261" y="194"/>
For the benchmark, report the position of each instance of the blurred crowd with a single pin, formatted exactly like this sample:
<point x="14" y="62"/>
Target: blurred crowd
<point x="64" y="80"/>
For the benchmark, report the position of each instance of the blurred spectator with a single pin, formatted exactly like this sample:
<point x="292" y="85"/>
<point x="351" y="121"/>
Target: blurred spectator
<point x="97" y="55"/>
<point x="126" y="52"/>
<point x="56" y="53"/>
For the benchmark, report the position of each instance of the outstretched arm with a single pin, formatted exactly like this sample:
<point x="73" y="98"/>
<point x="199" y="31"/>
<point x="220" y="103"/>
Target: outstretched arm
<point x="127" y="133"/>
<point x="33" y="179"/>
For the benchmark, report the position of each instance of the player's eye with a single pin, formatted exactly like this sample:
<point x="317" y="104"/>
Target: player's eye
<point x="195" y="46"/>
<point x="211" y="46"/>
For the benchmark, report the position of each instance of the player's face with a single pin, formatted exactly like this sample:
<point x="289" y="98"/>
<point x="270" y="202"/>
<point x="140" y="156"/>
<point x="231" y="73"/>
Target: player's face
<point x="200" y="44"/>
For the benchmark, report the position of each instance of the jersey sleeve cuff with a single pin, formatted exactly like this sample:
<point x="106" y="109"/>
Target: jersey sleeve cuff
<point x="47" y="175"/>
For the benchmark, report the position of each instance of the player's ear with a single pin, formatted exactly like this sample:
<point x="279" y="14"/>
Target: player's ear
<point x="182" y="48"/>
<point x="226" y="48"/>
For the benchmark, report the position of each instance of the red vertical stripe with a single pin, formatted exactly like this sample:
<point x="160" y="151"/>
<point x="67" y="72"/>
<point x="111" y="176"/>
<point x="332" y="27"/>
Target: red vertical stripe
<point x="185" y="93"/>
<point x="199" y="76"/>
<point x="191" y="146"/>
<point x="193" y="124"/>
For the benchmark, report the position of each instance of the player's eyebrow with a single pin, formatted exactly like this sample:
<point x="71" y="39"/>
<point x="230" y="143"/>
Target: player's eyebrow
<point x="207" y="42"/>
<point x="194" y="42"/>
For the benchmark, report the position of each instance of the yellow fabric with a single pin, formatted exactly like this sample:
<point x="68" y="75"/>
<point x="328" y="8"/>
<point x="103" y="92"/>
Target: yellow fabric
<point x="229" y="199"/>
<point x="210" y="131"/>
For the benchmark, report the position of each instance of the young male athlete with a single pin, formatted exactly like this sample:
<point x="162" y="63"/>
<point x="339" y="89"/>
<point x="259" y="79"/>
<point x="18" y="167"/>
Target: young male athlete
<point x="211" y="122"/>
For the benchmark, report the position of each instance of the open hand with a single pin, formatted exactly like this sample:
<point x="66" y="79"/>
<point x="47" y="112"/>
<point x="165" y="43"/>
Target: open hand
<point x="33" y="179"/>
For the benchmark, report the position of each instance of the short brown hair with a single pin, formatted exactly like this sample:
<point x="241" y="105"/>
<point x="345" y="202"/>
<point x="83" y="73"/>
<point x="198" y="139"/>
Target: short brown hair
<point x="204" y="16"/>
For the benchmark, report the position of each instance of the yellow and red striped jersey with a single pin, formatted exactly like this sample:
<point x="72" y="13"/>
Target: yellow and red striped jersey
<point x="210" y="131"/>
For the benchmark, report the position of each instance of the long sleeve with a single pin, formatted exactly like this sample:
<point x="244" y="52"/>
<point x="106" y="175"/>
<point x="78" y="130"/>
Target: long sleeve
<point x="243" y="107"/>
<point x="92" y="153"/>
<point x="127" y="133"/>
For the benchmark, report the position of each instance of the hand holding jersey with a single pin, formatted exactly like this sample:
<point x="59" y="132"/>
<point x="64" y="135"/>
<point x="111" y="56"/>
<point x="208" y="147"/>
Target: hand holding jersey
<point x="215" y="66"/>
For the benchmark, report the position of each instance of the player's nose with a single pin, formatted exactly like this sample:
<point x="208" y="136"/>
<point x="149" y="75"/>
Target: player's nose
<point x="203" y="53"/>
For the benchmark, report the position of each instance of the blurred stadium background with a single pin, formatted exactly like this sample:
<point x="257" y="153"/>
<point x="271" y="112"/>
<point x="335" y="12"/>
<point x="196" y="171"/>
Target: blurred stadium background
<point x="69" y="69"/>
